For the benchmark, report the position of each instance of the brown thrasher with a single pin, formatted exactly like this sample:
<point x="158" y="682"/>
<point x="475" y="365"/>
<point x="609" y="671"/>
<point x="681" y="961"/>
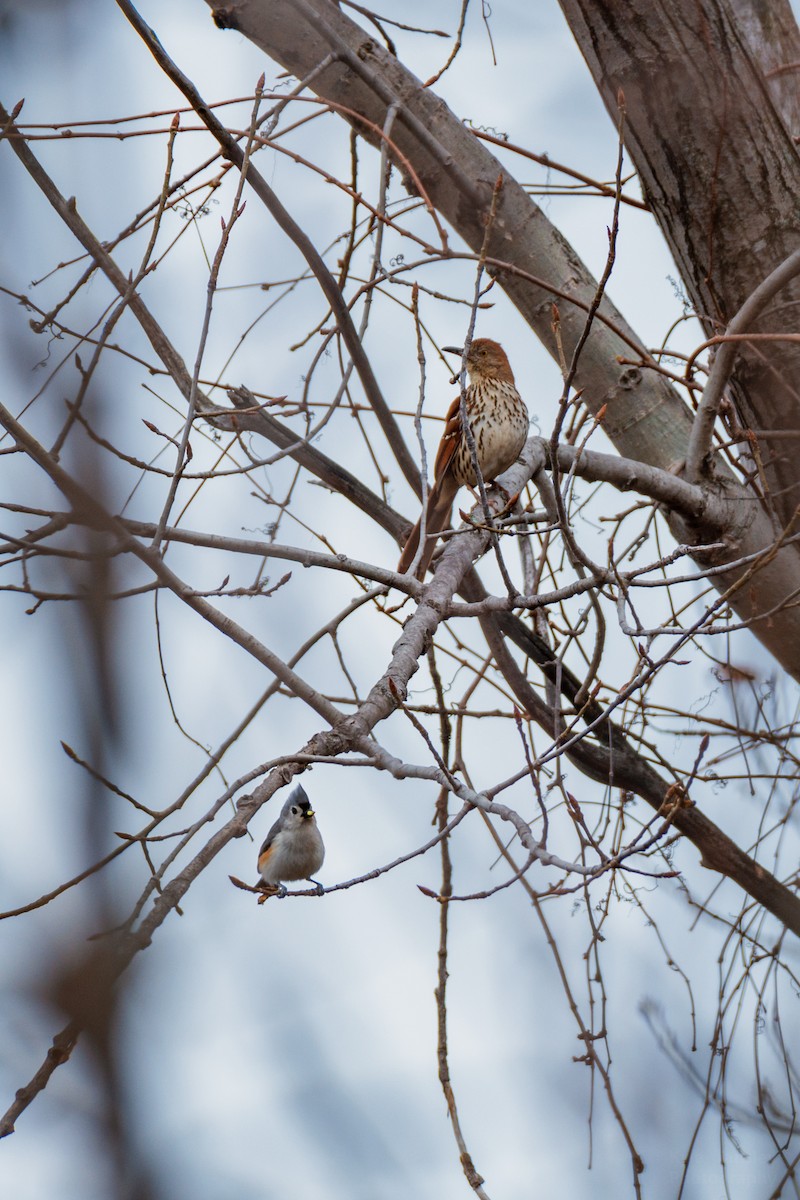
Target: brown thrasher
<point x="498" y="419"/>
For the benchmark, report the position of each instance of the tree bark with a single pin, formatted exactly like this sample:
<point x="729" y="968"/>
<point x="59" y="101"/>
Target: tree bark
<point x="774" y="39"/>
<point x="720" y="171"/>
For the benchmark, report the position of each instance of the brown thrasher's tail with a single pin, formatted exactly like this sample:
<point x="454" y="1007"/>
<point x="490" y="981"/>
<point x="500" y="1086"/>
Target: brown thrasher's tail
<point x="440" y="506"/>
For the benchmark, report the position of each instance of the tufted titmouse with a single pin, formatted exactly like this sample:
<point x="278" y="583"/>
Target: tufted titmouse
<point x="293" y="848"/>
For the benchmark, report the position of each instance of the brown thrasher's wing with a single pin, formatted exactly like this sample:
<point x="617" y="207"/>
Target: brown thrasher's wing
<point x="450" y="439"/>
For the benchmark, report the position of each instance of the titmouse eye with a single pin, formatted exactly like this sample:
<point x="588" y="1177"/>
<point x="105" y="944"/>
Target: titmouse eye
<point x="295" y="809"/>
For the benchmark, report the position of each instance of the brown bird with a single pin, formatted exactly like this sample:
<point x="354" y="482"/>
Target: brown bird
<point x="498" y="419"/>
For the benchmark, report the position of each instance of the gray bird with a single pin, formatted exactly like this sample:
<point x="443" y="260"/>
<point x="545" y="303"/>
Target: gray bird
<point x="293" y="848"/>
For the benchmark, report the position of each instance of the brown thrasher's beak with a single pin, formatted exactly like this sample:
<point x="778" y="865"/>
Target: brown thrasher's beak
<point x="459" y="350"/>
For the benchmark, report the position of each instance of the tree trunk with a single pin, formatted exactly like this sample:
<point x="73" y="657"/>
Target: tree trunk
<point x="720" y="170"/>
